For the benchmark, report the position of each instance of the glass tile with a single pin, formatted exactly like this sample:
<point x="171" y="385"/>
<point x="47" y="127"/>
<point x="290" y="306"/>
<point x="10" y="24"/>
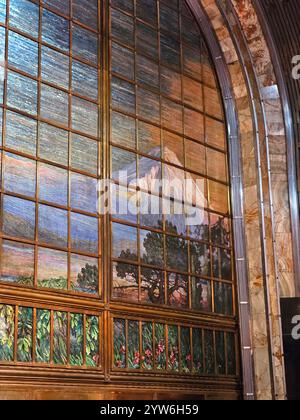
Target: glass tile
<point x="173" y="348"/>
<point x="186" y="357"/>
<point x="122" y="61"/>
<point x="92" y="341"/>
<point x="124" y="203"/>
<point x="149" y="139"/>
<point x="54" y="105"/>
<point x="84" y="116"/>
<point x="84" y="233"/>
<point x="178" y="290"/>
<point x="43" y="326"/>
<point x="134" y="357"/>
<point x="197" y="351"/>
<point x="146" y="40"/>
<point x="219" y="196"/>
<point x="123" y="166"/>
<point x="84" y="195"/>
<point x="209" y="352"/>
<point x="215" y="133"/>
<point x="160" y="347"/>
<point x="172" y="115"/>
<point x="24" y="15"/>
<point x="170" y="83"/>
<point x="19" y="174"/>
<point x="76" y="339"/>
<point x="126" y="5"/>
<point x="220" y="353"/>
<point x="22" y="53"/>
<point x="169" y="20"/>
<point x="53" y="226"/>
<point x="84" y="80"/>
<point x="53" y="144"/>
<point x="84" y="274"/>
<point x="223" y="298"/>
<point x="53" y="184"/>
<point x="55" y="31"/>
<point x="2" y="11"/>
<point x="195" y="157"/>
<point x="55" y="67"/>
<point x="123" y="130"/>
<point x="18" y="217"/>
<point x="85" y="44"/>
<point x="177" y="253"/>
<point x="147" y="72"/>
<point x="61" y="6"/>
<point x="170" y="52"/>
<point x="21" y="93"/>
<point x="120" y="349"/>
<point x="84" y="154"/>
<point x="200" y="258"/>
<point x="201" y="295"/>
<point x="192" y="62"/>
<point x="152" y="286"/>
<point x="17" y="263"/>
<point x="52" y="271"/>
<point x="147" y="345"/>
<point x="122" y="27"/>
<point x="220" y="228"/>
<point x="193" y="93"/>
<point x="7" y="321"/>
<point x="213" y="103"/>
<point x="194" y="124"/>
<point x="124" y="242"/>
<point x="25" y="331"/>
<point x="86" y="11"/>
<point x="147" y="10"/>
<point x="123" y="95"/>
<point x="21" y="133"/>
<point x="60" y="326"/>
<point x="148" y="105"/>
<point x="2" y="61"/>
<point x="231" y="354"/>
<point x="216" y="165"/>
<point x="125" y="282"/>
<point x="150" y="171"/>
<point x="190" y="31"/>
<point x="152" y="248"/>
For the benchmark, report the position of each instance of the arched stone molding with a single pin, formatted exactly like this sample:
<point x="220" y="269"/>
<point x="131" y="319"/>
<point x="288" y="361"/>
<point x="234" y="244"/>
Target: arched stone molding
<point x="265" y="188"/>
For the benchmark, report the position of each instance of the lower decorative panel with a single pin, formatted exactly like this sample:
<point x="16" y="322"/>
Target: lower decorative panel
<point x="49" y="337"/>
<point x="150" y="346"/>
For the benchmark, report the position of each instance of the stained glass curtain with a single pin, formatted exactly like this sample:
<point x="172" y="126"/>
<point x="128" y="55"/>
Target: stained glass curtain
<point x="89" y="89"/>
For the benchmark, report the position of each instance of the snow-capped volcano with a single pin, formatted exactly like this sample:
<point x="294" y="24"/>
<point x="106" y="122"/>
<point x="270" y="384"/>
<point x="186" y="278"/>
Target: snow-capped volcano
<point x="153" y="176"/>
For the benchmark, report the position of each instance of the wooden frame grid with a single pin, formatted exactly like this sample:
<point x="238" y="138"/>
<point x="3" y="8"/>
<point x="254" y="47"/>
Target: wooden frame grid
<point x="103" y="305"/>
<point x="67" y="129"/>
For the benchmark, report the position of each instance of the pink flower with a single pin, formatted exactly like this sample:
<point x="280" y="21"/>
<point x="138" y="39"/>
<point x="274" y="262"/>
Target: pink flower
<point x="172" y="358"/>
<point x="148" y="353"/>
<point x="160" y="348"/>
<point x="123" y="349"/>
<point x="188" y="358"/>
<point x="118" y="363"/>
<point x="96" y="358"/>
<point x="136" y="359"/>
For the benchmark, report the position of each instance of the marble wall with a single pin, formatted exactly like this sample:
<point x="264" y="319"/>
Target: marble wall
<point x="265" y="183"/>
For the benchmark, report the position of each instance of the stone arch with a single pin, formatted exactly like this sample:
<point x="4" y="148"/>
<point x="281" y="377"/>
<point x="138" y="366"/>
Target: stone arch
<point x="266" y="211"/>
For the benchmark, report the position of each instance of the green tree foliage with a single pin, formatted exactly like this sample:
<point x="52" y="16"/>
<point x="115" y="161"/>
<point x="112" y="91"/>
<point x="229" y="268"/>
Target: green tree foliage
<point x="87" y="279"/>
<point x="7" y="316"/>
